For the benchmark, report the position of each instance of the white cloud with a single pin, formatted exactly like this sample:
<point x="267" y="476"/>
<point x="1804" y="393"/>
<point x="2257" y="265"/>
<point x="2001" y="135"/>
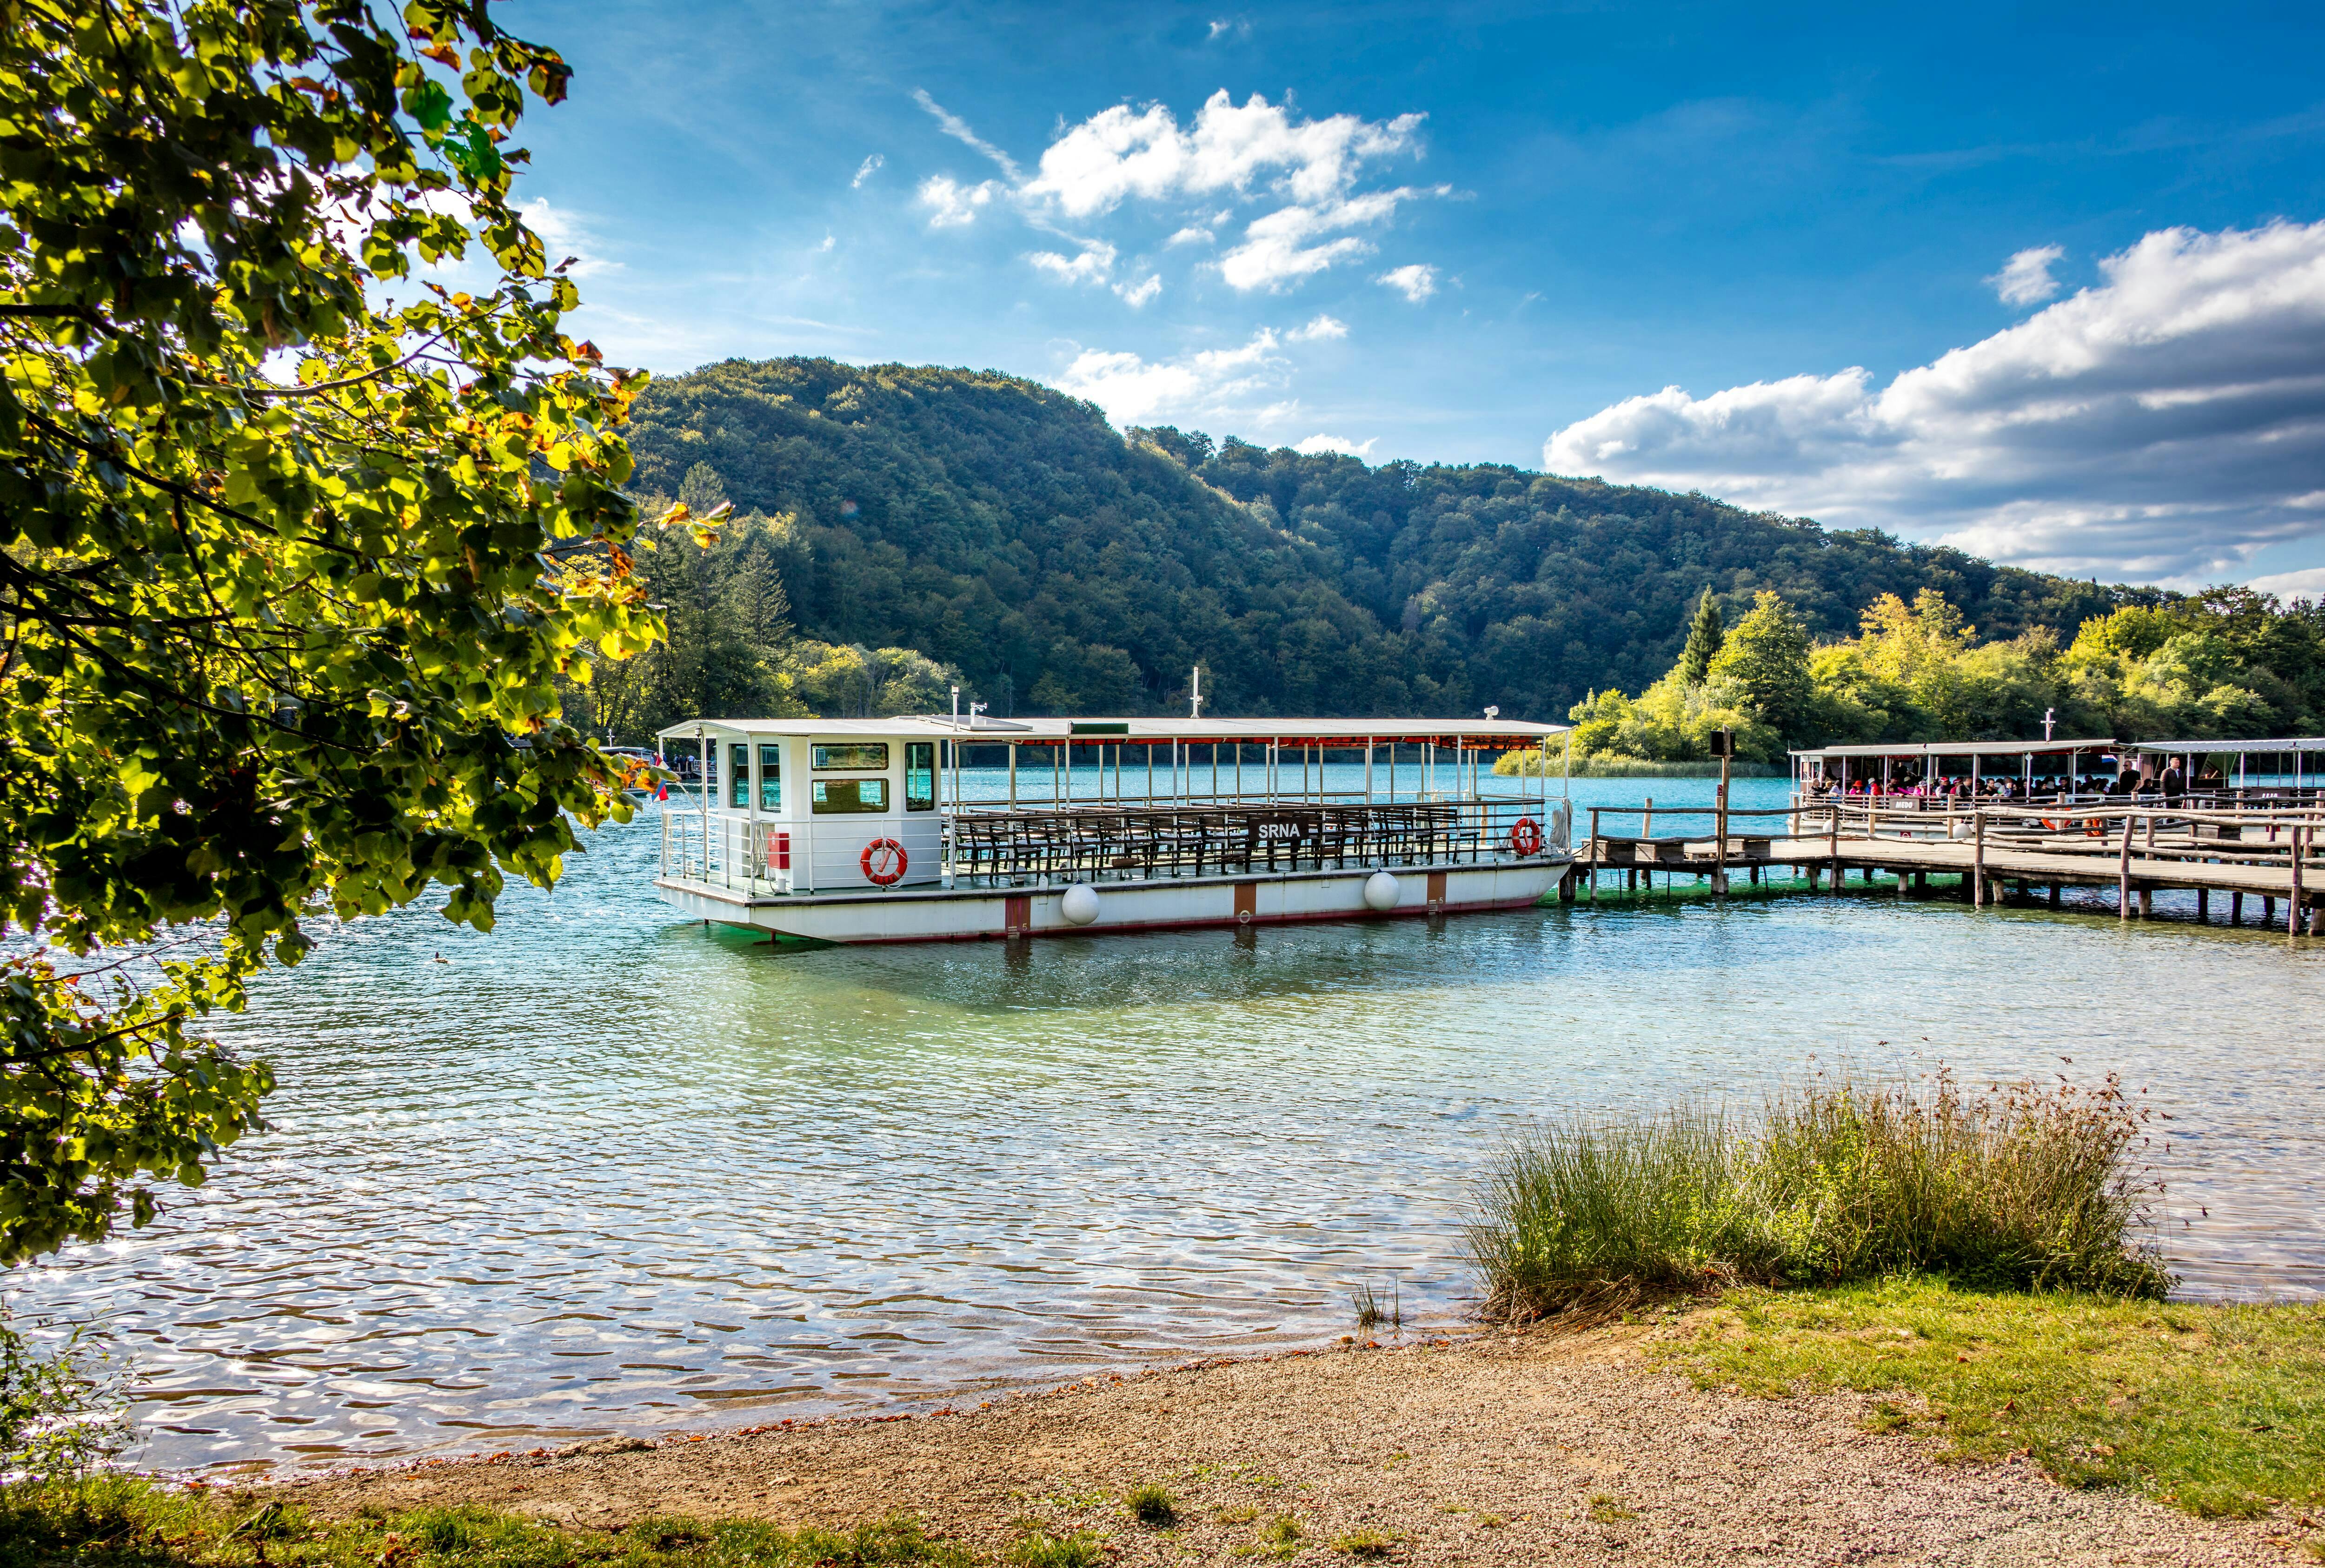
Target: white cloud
<point x="1322" y="327"/>
<point x="1255" y="152"/>
<point x="1416" y="282"/>
<point x="1136" y="295"/>
<point x="1340" y="444"/>
<point x="827" y="243"/>
<point x="2165" y="424"/>
<point x="1092" y="266"/>
<point x="562" y="234"/>
<point x="1132" y="391"/>
<point x="953" y="126"/>
<point x="955" y="204"/>
<point x="2025" y="278"/>
<point x="1120" y="152"/>
<point x="1276" y="248"/>
<point x="1237" y="26"/>
<point x="866" y="169"/>
<point x="2304" y="585"/>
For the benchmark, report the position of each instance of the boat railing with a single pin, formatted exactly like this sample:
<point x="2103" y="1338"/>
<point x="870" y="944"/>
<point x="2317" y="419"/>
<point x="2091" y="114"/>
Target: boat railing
<point x="2149" y="797"/>
<point x="1019" y="847"/>
<point x="727" y="851"/>
<point x="2111" y="825"/>
<point x="1022" y="848"/>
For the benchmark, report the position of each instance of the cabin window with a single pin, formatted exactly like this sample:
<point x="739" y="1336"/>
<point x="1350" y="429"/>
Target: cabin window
<point x="835" y="797"/>
<point x="919" y="775"/>
<point x="771" y="778"/>
<point x="851" y="755"/>
<point x="738" y="777"/>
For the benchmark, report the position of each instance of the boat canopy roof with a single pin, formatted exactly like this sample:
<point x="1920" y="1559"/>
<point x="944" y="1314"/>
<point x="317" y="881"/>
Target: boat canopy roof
<point x="1962" y="749"/>
<point x="2233" y="748"/>
<point x="1475" y="735"/>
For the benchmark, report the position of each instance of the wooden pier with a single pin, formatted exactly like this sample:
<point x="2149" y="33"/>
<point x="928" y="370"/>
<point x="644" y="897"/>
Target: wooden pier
<point x="2269" y="857"/>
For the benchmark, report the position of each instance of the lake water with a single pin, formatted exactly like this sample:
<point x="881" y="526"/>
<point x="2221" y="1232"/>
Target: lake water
<point x="602" y="1171"/>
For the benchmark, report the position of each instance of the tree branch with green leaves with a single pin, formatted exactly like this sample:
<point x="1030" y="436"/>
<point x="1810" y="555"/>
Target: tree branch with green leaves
<point x="297" y="538"/>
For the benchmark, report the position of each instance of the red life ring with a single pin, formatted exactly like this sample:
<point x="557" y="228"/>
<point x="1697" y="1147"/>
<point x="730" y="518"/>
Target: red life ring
<point x="1525" y="835"/>
<point x="891" y="860"/>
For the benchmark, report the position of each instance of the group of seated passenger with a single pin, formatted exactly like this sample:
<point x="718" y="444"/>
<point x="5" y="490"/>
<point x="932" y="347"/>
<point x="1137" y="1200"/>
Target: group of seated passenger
<point x="2172" y="783"/>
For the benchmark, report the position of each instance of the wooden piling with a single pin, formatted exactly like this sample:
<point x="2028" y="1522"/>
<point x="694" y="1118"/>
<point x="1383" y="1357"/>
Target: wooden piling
<point x="2123" y="874"/>
<point x="1719" y="853"/>
<point x="2292" y="905"/>
<point x="1978" y="861"/>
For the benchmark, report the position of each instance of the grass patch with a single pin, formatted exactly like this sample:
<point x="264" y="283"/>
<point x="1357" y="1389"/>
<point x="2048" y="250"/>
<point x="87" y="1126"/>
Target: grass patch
<point x="2218" y="1410"/>
<point x="1082" y="1549"/>
<point x="117" y="1522"/>
<point x="1371" y="1311"/>
<point x="1366" y="1543"/>
<point x="2019" y="1187"/>
<point x="1153" y="1506"/>
<point x="1606" y="1508"/>
<point x="1279" y="1538"/>
<point x="1074" y="1501"/>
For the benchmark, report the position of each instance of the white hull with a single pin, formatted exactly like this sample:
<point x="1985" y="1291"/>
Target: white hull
<point x="969" y="914"/>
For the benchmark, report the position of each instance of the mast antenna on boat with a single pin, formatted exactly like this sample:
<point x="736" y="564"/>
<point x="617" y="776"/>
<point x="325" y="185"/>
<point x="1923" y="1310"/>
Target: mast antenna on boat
<point x="1195" y="694"/>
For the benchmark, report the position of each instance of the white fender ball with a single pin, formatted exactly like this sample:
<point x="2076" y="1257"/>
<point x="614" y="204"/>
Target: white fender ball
<point x="1380" y="893"/>
<point x="1079" y="906"/>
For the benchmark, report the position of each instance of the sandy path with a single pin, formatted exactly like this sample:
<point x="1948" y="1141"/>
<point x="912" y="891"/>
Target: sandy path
<point x="1484" y="1451"/>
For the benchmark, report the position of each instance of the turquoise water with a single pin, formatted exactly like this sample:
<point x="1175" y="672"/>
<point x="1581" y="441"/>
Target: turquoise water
<point x="604" y="1171"/>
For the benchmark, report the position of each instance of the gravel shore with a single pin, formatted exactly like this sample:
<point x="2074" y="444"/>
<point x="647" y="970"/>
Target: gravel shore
<point x="1497" y="1448"/>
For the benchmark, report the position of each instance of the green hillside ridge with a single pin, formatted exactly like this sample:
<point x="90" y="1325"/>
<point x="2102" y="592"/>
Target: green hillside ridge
<point x="914" y="523"/>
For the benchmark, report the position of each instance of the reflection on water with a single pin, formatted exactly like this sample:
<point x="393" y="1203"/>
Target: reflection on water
<point x="601" y="1171"/>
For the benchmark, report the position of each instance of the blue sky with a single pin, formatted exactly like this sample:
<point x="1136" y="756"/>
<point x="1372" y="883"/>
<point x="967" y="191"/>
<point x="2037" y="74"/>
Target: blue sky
<point x="1482" y="233"/>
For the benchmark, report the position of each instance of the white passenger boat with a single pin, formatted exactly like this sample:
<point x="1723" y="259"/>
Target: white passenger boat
<point x="859" y="830"/>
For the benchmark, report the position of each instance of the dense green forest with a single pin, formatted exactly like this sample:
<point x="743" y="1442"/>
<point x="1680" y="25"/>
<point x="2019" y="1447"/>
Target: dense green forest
<point x="898" y="529"/>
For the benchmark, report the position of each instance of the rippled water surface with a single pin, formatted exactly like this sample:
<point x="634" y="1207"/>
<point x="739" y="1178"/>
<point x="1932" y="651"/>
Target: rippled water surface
<point x="603" y="1171"/>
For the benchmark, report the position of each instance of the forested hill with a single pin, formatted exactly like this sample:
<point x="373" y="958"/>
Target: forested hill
<point x="1006" y="528"/>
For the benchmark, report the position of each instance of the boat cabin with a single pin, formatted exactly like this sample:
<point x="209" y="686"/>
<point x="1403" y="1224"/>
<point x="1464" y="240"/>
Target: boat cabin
<point x="1952" y="769"/>
<point x="2280" y="773"/>
<point x="2063" y="771"/>
<point x="789" y="811"/>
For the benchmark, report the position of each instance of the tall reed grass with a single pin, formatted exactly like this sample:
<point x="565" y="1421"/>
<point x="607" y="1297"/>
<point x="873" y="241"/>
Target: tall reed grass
<point x="2017" y="1186"/>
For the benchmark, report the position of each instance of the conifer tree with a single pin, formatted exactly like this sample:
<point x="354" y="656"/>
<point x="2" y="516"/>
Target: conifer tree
<point x="1703" y="640"/>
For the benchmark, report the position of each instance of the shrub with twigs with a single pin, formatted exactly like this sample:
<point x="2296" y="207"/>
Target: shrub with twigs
<point x="62" y="1410"/>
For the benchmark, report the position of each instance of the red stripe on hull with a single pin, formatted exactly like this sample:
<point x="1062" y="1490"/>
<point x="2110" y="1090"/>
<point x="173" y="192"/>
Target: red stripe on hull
<point x="1207" y="923"/>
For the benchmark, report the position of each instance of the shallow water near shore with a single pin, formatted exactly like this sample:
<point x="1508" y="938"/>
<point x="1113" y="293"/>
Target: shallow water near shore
<point x="605" y="1171"/>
